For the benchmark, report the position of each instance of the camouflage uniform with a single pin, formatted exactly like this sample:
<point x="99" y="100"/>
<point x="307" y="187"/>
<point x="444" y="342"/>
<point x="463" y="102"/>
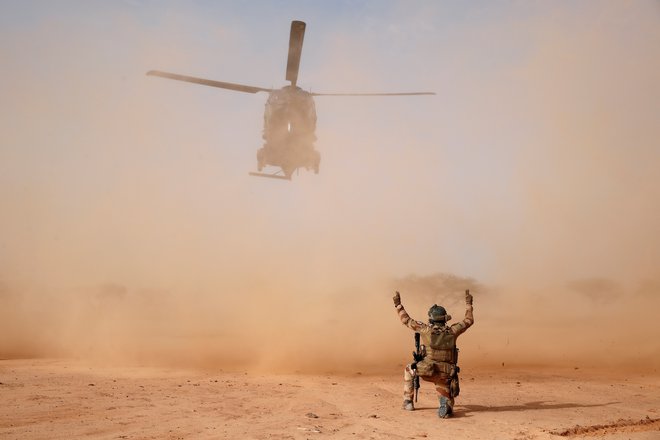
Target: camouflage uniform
<point x="440" y="361"/>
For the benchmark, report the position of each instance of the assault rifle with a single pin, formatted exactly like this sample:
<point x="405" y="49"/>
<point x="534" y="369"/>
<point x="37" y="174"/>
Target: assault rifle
<point x="454" y="386"/>
<point x="418" y="355"/>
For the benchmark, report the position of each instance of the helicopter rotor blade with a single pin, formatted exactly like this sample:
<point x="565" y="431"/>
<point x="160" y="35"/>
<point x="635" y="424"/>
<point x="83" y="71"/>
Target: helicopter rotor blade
<point x="208" y="82"/>
<point x="295" y="48"/>
<point x="373" y="94"/>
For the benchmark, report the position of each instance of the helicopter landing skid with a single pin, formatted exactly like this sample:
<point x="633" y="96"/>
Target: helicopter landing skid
<point x="272" y="176"/>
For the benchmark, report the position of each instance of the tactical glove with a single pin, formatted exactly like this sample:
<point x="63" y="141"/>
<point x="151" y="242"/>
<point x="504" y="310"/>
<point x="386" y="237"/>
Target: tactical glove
<point x="397" y="299"/>
<point x="468" y="298"/>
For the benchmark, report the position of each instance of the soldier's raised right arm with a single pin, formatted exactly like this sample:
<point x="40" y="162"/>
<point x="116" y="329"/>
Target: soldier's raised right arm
<point x="460" y="327"/>
<point x="403" y="315"/>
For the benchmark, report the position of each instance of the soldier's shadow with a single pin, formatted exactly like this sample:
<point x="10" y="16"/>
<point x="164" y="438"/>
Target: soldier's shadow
<point x="466" y="410"/>
<point x="529" y="406"/>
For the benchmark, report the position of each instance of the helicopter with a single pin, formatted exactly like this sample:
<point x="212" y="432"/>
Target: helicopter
<point x="289" y="116"/>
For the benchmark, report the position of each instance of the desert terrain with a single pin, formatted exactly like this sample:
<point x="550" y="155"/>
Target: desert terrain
<point x="60" y="399"/>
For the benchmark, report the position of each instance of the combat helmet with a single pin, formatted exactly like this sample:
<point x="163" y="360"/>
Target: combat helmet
<point x="438" y="314"/>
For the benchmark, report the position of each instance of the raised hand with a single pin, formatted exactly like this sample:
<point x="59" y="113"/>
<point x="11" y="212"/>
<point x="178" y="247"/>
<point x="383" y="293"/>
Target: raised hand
<point x="397" y="299"/>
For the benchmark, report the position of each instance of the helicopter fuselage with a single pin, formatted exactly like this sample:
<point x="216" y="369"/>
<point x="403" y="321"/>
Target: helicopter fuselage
<point x="289" y="131"/>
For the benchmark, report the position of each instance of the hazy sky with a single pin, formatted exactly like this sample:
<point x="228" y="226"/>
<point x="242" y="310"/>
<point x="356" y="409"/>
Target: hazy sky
<point x="129" y="225"/>
<point x="538" y="156"/>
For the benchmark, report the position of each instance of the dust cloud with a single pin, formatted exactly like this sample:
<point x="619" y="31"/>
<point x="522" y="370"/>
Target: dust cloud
<point x="131" y="232"/>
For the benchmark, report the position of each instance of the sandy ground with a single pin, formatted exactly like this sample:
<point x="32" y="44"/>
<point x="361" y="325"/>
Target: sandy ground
<point x="58" y="399"/>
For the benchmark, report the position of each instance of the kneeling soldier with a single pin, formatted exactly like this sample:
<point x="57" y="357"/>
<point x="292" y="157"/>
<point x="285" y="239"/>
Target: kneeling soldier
<point x="439" y="364"/>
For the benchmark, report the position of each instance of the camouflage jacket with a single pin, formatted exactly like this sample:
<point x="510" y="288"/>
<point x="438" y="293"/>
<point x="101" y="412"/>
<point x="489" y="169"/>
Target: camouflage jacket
<point x="430" y="333"/>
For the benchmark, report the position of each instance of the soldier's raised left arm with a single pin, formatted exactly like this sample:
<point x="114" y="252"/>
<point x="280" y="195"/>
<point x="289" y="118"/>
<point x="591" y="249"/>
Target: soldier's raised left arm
<point x="460" y="327"/>
<point x="404" y="317"/>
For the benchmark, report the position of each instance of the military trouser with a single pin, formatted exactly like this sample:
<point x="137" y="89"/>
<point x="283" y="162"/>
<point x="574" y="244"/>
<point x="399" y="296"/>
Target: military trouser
<point x="439" y="379"/>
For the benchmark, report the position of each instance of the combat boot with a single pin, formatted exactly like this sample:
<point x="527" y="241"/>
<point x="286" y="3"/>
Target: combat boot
<point x="444" y="410"/>
<point x="408" y="405"/>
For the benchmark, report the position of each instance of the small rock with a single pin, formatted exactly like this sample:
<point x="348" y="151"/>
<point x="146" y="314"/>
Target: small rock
<point x="373" y="416"/>
<point x="312" y="415"/>
<point x="90" y="385"/>
<point x="316" y="429"/>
